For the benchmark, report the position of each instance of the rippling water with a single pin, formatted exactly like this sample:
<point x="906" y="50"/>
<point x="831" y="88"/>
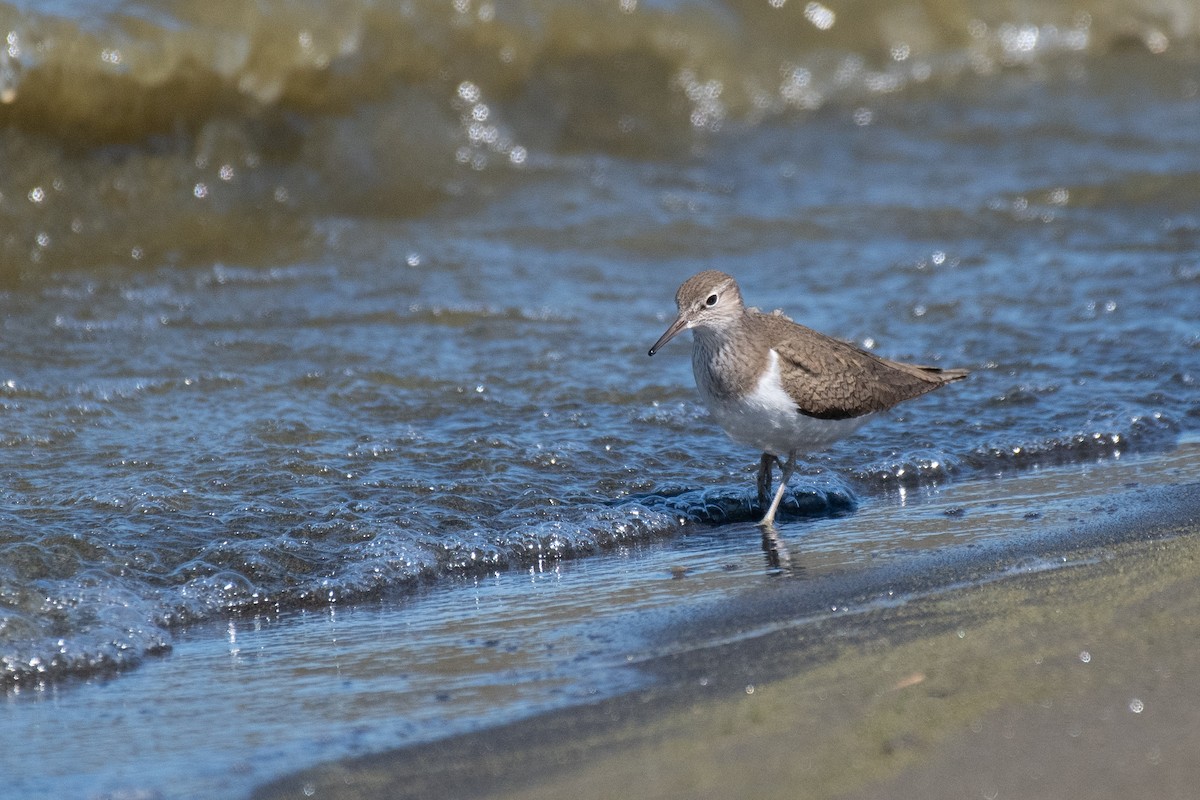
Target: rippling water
<point x="310" y="303"/>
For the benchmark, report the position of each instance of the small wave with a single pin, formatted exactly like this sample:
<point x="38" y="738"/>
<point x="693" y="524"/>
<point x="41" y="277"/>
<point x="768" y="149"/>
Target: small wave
<point x="85" y="625"/>
<point x="917" y="469"/>
<point x="174" y="133"/>
<point x="117" y="620"/>
<point x="728" y="505"/>
<point x="1143" y="431"/>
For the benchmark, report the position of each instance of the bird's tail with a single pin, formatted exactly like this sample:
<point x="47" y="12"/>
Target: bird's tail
<point x="945" y="375"/>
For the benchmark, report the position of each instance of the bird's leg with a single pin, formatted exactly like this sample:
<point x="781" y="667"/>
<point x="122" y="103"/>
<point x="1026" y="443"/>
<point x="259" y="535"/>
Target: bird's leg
<point x="786" y="470"/>
<point x="764" y="477"/>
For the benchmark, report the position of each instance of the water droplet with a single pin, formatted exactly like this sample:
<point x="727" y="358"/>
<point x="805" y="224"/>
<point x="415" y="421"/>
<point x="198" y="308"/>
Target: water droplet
<point x="469" y="92"/>
<point x="820" y="16"/>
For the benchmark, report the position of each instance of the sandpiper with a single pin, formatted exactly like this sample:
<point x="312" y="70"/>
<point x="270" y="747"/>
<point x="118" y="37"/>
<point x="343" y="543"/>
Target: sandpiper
<point x="780" y="387"/>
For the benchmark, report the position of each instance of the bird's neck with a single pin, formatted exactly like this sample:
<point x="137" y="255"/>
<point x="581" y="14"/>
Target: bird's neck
<point x="719" y="359"/>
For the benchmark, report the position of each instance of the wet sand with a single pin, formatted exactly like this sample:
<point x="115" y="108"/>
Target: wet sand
<point x="1066" y="668"/>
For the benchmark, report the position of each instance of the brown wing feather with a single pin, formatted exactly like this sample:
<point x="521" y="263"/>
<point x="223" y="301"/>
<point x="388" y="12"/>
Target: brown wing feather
<point x="830" y="379"/>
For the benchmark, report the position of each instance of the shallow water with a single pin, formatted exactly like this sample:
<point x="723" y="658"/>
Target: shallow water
<point x="309" y="306"/>
<point x="243" y="700"/>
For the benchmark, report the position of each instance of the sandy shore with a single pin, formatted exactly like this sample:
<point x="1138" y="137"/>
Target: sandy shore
<point x="1066" y="671"/>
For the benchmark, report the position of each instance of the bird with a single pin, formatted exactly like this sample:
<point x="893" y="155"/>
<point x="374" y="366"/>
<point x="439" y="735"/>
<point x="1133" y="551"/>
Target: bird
<point x="780" y="387"/>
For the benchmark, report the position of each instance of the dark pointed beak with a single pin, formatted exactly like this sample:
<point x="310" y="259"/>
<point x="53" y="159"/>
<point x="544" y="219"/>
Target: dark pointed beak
<point x="679" y="324"/>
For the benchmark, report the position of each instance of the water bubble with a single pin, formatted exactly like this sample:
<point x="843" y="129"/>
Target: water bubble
<point x="707" y="109"/>
<point x="8" y="84"/>
<point x="477" y="132"/>
<point x="1019" y="39"/>
<point x="820" y="16"/>
<point x="200" y="190"/>
<point x="469" y="92"/>
<point x="1136" y="706"/>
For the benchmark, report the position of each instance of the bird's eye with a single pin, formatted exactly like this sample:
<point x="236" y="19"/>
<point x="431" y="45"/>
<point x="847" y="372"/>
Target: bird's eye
<point x="711" y="301"/>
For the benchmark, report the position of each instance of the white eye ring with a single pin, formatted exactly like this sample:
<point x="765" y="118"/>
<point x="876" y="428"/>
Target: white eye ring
<point x="711" y="301"/>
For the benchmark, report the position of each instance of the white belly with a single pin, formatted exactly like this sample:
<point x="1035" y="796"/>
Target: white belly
<point x="767" y="419"/>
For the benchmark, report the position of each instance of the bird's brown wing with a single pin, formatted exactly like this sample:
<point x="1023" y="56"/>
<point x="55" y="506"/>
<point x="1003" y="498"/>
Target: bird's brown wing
<point x="830" y="379"/>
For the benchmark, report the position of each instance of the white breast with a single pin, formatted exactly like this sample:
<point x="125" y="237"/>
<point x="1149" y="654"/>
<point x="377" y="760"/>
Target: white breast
<point x="767" y="419"/>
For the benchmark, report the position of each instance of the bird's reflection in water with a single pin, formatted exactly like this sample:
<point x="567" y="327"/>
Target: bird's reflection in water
<point x="778" y="558"/>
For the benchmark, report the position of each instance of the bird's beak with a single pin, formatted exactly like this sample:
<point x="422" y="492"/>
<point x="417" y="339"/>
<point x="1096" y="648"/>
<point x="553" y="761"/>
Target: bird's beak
<point x="679" y="324"/>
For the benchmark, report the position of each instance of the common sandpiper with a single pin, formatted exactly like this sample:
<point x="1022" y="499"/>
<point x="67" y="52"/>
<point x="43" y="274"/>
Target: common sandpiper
<point x="780" y="387"/>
